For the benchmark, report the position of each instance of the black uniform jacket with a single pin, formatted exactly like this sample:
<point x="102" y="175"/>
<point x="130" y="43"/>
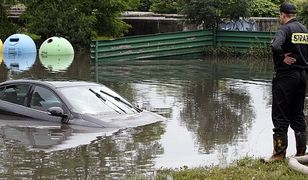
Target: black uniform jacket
<point x="291" y="37"/>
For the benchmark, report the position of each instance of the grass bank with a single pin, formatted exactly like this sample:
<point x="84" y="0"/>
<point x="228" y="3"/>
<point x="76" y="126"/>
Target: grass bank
<point x="256" y="51"/>
<point x="246" y="168"/>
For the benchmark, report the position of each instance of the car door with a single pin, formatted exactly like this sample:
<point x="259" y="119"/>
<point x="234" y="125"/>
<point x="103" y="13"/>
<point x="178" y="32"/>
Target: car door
<point x="13" y="98"/>
<point x="40" y="100"/>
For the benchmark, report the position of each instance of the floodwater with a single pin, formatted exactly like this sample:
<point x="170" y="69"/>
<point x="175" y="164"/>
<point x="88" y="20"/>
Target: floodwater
<point x="216" y="110"/>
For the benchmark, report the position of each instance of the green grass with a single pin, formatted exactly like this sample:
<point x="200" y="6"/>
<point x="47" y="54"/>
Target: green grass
<point x="246" y="168"/>
<point x="255" y="51"/>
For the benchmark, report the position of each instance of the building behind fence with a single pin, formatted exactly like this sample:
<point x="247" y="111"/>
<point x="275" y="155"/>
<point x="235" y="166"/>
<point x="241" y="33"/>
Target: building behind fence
<point x="151" y="23"/>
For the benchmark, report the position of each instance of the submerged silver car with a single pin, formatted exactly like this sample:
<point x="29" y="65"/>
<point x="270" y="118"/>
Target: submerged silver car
<point x="71" y="102"/>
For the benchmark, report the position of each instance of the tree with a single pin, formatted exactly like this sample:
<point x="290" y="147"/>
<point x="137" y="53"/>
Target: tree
<point x="234" y="9"/>
<point x="264" y="8"/>
<point x="210" y="12"/>
<point x="277" y="1"/>
<point x="144" y="5"/>
<point x="303" y="13"/>
<point x="76" y="20"/>
<point x="59" y="18"/>
<point x="165" y="6"/>
<point x="133" y="5"/>
<point x="7" y="27"/>
<point x="107" y="21"/>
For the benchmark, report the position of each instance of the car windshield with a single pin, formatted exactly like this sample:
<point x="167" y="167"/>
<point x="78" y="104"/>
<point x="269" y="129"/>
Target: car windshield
<point x="96" y="100"/>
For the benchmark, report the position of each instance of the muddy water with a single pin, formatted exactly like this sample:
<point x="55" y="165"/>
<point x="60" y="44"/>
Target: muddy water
<point x="217" y="111"/>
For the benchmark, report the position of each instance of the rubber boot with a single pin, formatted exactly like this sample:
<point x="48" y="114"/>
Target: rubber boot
<point x="280" y="143"/>
<point x="300" y="138"/>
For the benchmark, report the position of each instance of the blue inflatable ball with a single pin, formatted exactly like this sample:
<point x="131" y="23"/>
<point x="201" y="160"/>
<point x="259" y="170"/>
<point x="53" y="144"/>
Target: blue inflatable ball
<point x="19" y="44"/>
<point x="19" y="62"/>
<point x="56" y="46"/>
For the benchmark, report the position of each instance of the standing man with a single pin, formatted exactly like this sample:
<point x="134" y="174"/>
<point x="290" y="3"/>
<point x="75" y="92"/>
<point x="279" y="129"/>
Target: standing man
<point x="290" y="51"/>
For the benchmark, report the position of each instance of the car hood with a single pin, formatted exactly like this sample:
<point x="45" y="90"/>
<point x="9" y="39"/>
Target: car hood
<point x="123" y="121"/>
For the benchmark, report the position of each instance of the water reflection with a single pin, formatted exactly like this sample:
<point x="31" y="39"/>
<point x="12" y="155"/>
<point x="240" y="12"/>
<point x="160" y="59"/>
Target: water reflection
<point x="209" y="104"/>
<point x="117" y="156"/>
<point x="218" y="111"/>
<point x="37" y="138"/>
<point x="3" y="72"/>
<point x="57" y="67"/>
<point x="47" y="136"/>
<point x="56" y="63"/>
<point x="1" y="57"/>
<point x="173" y="72"/>
<point x="19" y="62"/>
<point x="215" y="106"/>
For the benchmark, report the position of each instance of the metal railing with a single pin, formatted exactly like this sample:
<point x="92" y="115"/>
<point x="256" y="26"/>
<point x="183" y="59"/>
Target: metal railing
<point x="174" y="44"/>
<point x="242" y="39"/>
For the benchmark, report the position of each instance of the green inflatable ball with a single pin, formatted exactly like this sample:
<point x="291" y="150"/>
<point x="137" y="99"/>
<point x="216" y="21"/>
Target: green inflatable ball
<point x="56" y="46"/>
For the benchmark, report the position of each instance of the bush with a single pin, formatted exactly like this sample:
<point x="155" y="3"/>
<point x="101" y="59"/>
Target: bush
<point x="108" y="24"/>
<point x="65" y="18"/>
<point x="264" y="8"/>
<point x="76" y="20"/>
<point x="303" y="13"/>
<point x="210" y="12"/>
<point x="165" y="6"/>
<point x="144" y="5"/>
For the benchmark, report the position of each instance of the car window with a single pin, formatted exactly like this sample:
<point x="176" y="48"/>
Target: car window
<point x="84" y="101"/>
<point x="15" y="93"/>
<point x="43" y="99"/>
<point x="91" y="100"/>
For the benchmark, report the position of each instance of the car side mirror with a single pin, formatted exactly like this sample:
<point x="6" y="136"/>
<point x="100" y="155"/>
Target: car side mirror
<point x="57" y="111"/>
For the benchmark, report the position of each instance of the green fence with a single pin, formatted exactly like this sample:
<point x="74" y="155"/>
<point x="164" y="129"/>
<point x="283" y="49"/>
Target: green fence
<point x="174" y="44"/>
<point x="242" y="39"/>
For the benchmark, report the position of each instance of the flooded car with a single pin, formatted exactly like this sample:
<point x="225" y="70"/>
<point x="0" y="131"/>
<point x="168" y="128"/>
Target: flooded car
<point x="71" y="102"/>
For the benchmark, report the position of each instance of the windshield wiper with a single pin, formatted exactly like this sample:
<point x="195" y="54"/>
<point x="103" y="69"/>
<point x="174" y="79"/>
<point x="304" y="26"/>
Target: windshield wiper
<point x="104" y="100"/>
<point x="120" y="100"/>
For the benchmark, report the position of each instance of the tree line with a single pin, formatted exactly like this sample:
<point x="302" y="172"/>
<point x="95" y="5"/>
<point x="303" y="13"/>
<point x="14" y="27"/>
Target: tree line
<point x="80" y="21"/>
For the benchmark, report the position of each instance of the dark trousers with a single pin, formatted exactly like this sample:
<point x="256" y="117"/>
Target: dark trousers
<point x="289" y="89"/>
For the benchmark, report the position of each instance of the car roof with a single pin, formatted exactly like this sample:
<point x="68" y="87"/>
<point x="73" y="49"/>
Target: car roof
<point x="52" y="83"/>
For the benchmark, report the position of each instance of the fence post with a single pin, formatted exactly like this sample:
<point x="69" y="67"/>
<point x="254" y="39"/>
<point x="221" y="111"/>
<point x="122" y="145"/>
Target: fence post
<point x="214" y="37"/>
<point x="96" y="61"/>
<point x="96" y="51"/>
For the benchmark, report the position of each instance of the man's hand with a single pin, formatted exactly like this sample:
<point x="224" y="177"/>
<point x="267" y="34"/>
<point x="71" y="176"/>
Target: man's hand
<point x="289" y="60"/>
